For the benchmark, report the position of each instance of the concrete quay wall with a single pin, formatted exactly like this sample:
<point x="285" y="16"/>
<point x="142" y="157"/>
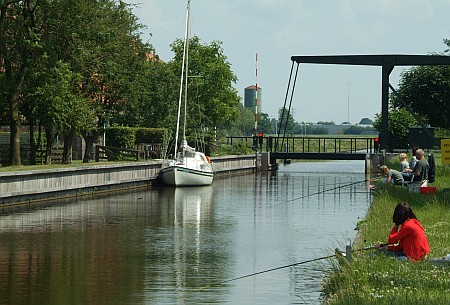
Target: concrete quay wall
<point x="35" y="185"/>
<point x="39" y="185"/>
<point x="228" y="165"/>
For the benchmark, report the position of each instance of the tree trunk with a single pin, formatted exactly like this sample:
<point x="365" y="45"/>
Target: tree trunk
<point x="39" y="143"/>
<point x="48" y="149"/>
<point x="14" y="102"/>
<point x="14" y="125"/>
<point x="68" y="140"/>
<point x="15" y="71"/>
<point x="33" y="147"/>
<point x="89" y="141"/>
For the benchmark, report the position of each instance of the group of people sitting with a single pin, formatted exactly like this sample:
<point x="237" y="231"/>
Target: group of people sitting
<point x="415" y="170"/>
<point x="407" y="239"/>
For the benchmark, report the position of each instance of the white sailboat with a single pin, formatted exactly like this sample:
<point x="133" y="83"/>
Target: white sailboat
<point x="189" y="167"/>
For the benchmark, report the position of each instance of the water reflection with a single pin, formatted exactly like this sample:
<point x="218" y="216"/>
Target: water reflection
<point x="168" y="245"/>
<point x="187" y="251"/>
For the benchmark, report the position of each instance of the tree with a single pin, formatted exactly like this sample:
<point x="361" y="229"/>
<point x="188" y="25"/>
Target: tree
<point x="20" y="46"/>
<point x="286" y="122"/>
<point x="326" y="123"/>
<point x="426" y="91"/>
<point x="243" y="125"/>
<point x="211" y="93"/>
<point x="265" y="124"/>
<point x="151" y="102"/>
<point x="400" y="121"/>
<point x="100" y="41"/>
<point x="353" y="130"/>
<point x="58" y="106"/>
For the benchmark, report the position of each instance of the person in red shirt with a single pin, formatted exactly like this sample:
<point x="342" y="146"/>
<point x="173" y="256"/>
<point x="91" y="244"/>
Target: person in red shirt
<point x="407" y="237"/>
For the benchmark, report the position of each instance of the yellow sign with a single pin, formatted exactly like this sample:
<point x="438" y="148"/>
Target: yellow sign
<point x="445" y="151"/>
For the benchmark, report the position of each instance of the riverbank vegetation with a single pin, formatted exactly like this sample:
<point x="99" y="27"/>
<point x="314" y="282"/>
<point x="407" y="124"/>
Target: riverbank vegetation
<point x="377" y="279"/>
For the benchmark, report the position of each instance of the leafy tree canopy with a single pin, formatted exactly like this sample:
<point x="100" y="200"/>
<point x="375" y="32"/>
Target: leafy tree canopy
<point x="212" y="99"/>
<point x="286" y="121"/>
<point x="400" y="121"/>
<point x="426" y="91"/>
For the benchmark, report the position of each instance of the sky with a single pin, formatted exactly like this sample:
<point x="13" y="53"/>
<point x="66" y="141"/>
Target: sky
<point x="279" y="29"/>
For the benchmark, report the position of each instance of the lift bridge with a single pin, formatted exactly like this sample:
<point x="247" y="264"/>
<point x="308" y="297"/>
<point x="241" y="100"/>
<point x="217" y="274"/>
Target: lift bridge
<point x="311" y="147"/>
<point x="357" y="148"/>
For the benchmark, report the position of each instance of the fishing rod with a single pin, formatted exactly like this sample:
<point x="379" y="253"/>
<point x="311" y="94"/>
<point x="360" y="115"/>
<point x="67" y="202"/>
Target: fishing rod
<point x="285" y="266"/>
<point x="321" y="192"/>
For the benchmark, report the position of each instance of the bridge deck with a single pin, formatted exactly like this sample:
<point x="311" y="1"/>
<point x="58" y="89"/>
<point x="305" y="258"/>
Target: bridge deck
<point x="317" y="156"/>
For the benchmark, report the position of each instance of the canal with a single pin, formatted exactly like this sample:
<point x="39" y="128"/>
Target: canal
<point x="171" y="246"/>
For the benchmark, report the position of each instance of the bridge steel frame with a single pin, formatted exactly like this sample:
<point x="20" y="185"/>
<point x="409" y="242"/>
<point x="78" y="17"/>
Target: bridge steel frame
<point x="387" y="63"/>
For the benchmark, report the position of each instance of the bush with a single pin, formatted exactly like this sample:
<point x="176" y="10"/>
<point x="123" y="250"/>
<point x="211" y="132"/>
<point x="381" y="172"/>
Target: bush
<point x="129" y="137"/>
<point x="123" y="137"/>
<point x="151" y="135"/>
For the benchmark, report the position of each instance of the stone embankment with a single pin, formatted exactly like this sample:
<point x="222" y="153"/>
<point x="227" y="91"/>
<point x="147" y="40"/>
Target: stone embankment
<point x="33" y="185"/>
<point x="37" y="185"/>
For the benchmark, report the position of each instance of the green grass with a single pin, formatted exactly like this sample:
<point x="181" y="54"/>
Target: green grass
<point x="75" y="163"/>
<point x="377" y="279"/>
<point x="380" y="280"/>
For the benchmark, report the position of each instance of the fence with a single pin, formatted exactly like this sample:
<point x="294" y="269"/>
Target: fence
<point x="109" y="153"/>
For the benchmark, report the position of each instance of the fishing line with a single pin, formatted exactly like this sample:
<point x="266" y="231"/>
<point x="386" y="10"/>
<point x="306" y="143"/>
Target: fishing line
<point x="280" y="267"/>
<point x="265" y="271"/>
<point x="355" y="192"/>
<point x="310" y="185"/>
<point x="321" y="192"/>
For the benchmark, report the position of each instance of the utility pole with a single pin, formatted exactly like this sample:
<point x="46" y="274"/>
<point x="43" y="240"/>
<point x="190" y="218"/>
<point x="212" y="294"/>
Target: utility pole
<point x="348" y="102"/>
<point x="256" y="99"/>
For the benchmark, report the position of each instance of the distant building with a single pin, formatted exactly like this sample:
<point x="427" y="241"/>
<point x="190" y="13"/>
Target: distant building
<point x="250" y="97"/>
<point x="366" y="121"/>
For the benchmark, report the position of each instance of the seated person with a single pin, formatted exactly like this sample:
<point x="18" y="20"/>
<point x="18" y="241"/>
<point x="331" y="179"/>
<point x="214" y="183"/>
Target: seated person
<point x="404" y="167"/>
<point x="409" y="235"/>
<point x="404" y="164"/>
<point x="392" y="176"/>
<point x="419" y="171"/>
<point x="413" y="161"/>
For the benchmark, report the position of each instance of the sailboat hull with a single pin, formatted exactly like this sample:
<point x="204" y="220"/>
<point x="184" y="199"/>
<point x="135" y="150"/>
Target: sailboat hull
<point x="182" y="176"/>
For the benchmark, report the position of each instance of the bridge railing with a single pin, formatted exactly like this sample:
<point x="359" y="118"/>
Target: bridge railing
<point x="323" y="144"/>
<point x="310" y="144"/>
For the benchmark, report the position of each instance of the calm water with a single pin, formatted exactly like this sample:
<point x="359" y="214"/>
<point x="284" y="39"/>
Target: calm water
<point x="166" y="245"/>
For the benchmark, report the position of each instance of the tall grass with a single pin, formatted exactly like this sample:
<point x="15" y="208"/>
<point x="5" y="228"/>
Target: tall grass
<point x="372" y="278"/>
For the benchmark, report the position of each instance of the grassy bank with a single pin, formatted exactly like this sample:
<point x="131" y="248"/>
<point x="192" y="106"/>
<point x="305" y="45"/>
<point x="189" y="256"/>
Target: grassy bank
<point x="377" y="279"/>
<point x="76" y="163"/>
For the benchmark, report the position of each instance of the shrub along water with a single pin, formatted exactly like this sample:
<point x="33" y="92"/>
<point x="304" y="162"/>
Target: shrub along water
<point x="378" y="279"/>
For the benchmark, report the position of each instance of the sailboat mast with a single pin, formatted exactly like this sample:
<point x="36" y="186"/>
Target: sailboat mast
<point x="182" y="75"/>
<point x="187" y="68"/>
<point x="256" y="98"/>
